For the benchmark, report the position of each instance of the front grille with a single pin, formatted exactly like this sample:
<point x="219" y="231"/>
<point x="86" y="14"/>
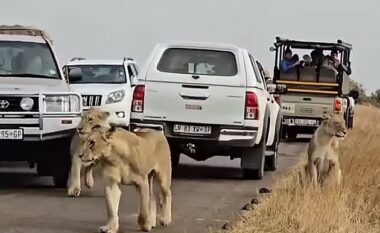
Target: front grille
<point x="12" y="104"/>
<point x="91" y="100"/>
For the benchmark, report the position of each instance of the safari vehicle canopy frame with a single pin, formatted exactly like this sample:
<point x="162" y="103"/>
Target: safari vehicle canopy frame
<point x="24" y="30"/>
<point x="316" y="86"/>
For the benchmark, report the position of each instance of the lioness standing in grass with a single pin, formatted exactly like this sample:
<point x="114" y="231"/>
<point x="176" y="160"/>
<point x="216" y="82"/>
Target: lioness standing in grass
<point x="132" y="158"/>
<point x="93" y="117"/>
<point x="323" y="162"/>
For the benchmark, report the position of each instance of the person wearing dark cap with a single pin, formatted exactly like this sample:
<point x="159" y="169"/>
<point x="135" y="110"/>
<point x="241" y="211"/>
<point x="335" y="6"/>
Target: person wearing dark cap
<point x="288" y="63"/>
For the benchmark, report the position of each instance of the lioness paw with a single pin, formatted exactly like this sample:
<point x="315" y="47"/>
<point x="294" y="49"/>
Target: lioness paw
<point x="73" y="192"/>
<point x="144" y="223"/>
<point x="105" y="229"/>
<point x="164" y="222"/>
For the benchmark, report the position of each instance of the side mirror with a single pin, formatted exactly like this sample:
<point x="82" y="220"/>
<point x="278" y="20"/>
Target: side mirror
<point x="272" y="49"/>
<point x="75" y="74"/>
<point x="354" y="94"/>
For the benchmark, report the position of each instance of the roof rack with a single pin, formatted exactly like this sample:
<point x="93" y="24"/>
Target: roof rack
<point x="24" y="30"/>
<point x="77" y="58"/>
<point x="340" y="45"/>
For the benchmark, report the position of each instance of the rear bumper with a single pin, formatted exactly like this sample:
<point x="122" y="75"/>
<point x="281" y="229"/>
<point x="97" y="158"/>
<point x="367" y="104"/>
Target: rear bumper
<point x="224" y="135"/>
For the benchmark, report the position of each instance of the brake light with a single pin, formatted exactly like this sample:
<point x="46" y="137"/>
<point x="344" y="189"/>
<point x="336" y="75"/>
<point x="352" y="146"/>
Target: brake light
<point x="277" y="98"/>
<point x="338" y="105"/>
<point x="138" y="99"/>
<point x="251" y="106"/>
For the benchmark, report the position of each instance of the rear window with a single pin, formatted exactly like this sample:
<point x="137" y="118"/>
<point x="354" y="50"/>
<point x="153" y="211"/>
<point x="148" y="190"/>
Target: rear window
<point x="198" y="61"/>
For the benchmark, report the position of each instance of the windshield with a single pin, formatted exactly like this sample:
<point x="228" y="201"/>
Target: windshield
<point x="27" y="58"/>
<point x="101" y="74"/>
<point x="198" y="61"/>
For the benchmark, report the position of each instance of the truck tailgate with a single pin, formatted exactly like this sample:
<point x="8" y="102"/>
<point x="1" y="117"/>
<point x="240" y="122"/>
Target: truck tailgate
<point x="306" y="105"/>
<point x="194" y="103"/>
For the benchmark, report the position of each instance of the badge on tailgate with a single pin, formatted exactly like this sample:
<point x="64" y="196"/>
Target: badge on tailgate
<point x="193" y="106"/>
<point x="288" y="108"/>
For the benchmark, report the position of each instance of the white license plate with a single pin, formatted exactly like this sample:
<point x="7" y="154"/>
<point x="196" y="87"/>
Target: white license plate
<point x="11" y="134"/>
<point x="305" y="122"/>
<point x="191" y="129"/>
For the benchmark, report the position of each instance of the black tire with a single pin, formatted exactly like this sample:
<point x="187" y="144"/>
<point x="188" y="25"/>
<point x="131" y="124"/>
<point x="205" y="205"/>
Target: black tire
<point x="175" y="159"/>
<point x="271" y="161"/>
<point x="257" y="150"/>
<point x="62" y="165"/>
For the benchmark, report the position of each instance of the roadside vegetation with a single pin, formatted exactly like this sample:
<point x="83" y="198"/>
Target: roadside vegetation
<point x="352" y="208"/>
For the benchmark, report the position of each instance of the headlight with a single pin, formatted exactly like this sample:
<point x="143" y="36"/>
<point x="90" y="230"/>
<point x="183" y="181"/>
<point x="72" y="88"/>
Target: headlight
<point x="26" y="103"/>
<point x="115" y="97"/>
<point x="62" y="103"/>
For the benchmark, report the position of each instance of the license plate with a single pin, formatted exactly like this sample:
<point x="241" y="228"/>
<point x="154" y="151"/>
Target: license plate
<point x="191" y="129"/>
<point x="11" y="134"/>
<point x="305" y="122"/>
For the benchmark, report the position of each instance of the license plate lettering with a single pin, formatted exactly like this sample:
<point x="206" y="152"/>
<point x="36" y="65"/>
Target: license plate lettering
<point x="11" y="134"/>
<point x="191" y="129"/>
<point x="305" y="122"/>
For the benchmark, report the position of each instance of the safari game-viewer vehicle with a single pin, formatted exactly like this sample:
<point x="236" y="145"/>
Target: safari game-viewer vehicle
<point x="313" y="89"/>
<point x="106" y="84"/>
<point x="209" y="100"/>
<point x="38" y="110"/>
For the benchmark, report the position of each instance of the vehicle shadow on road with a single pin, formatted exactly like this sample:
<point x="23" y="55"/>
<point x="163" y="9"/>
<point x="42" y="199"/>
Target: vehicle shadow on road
<point x="195" y="172"/>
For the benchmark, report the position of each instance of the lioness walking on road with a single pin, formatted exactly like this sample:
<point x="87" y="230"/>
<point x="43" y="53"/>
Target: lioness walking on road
<point x="93" y="117"/>
<point x="132" y="158"/>
<point x="323" y="163"/>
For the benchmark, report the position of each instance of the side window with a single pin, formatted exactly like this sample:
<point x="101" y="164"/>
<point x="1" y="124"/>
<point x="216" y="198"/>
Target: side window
<point x="130" y="73"/>
<point x="261" y="71"/>
<point x="135" y="69"/>
<point x="257" y="74"/>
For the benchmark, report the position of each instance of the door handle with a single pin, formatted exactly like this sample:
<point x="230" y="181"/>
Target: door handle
<point x="195" y="97"/>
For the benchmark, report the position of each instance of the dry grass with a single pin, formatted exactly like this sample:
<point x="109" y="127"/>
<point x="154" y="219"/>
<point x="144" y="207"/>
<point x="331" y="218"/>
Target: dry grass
<point x="354" y="207"/>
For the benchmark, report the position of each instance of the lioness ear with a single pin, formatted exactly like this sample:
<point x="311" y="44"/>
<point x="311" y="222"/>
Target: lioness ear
<point x="110" y="131"/>
<point x="104" y="115"/>
<point x="325" y="116"/>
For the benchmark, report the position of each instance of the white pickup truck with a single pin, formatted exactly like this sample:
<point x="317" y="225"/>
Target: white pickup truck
<point x="38" y="110"/>
<point x="106" y="84"/>
<point x="209" y="100"/>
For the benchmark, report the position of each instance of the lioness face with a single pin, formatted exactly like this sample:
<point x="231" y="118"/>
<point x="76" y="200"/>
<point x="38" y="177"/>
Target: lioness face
<point x="95" y="147"/>
<point x="335" y="125"/>
<point x="94" y="117"/>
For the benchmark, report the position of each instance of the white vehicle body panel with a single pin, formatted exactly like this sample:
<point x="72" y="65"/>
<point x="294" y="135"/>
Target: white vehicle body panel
<point x="38" y="125"/>
<point x="210" y="100"/>
<point x="102" y="91"/>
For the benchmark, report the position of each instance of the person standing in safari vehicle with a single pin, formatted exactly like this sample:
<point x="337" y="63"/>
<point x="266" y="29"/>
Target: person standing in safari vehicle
<point x="288" y="63"/>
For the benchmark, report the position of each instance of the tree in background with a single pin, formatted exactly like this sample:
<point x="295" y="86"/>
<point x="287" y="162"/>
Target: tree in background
<point x="355" y="85"/>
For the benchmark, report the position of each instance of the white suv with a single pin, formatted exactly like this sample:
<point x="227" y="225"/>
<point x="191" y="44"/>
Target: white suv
<point x="209" y="100"/>
<point x="38" y="110"/>
<point x="107" y="84"/>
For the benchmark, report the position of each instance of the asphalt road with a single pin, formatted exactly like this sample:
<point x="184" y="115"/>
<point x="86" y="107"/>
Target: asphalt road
<point x="205" y="195"/>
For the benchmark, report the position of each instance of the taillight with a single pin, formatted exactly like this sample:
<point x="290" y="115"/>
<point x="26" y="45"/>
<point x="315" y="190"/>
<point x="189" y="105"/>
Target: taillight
<point x="277" y="98"/>
<point x="138" y="99"/>
<point x="338" y="105"/>
<point x="251" y="106"/>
